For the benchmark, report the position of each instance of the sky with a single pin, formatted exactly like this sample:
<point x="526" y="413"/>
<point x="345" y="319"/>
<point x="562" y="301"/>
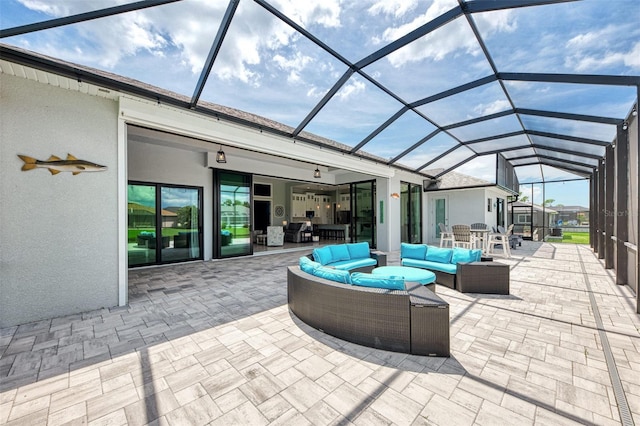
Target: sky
<point x="268" y="68"/>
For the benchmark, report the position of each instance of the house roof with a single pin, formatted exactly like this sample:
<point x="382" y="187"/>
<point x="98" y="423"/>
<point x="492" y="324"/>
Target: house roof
<point x="455" y="180"/>
<point x="570" y="209"/>
<point x="536" y="207"/>
<point x="437" y="85"/>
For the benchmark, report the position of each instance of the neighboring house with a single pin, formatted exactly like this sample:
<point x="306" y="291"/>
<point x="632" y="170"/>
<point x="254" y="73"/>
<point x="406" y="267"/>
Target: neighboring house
<point x="457" y="198"/>
<point x="572" y="215"/>
<point x="144" y="216"/>
<point x="532" y="221"/>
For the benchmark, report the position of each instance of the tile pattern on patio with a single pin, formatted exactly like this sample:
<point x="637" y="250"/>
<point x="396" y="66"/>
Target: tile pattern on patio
<point x="214" y="343"/>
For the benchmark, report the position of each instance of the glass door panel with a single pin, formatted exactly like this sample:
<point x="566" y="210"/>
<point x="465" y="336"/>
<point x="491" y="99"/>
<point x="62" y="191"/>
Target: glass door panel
<point x="165" y="223"/>
<point x="440" y="215"/>
<point x="411" y="213"/>
<point x="415" y="213"/>
<point x="180" y="223"/>
<point x="405" y="208"/>
<point x="141" y="208"/>
<point x="234" y="213"/>
<point x="363" y="196"/>
<point x="500" y="212"/>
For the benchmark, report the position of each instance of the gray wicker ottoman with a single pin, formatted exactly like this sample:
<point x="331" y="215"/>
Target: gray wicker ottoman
<point x="483" y="277"/>
<point x="429" y="323"/>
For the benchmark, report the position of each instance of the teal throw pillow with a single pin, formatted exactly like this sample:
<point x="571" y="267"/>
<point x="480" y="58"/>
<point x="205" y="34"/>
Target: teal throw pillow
<point x="413" y="251"/>
<point x="331" y="274"/>
<point x="307" y="265"/>
<point x="358" y="250"/>
<point x="377" y="281"/>
<point x="462" y="255"/>
<point x="439" y="255"/>
<point x="322" y="255"/>
<point x="339" y="252"/>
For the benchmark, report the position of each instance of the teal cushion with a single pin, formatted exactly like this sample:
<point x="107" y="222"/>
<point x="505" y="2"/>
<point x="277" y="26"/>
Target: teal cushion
<point x="339" y="252"/>
<point x="332" y="274"/>
<point x="307" y="265"/>
<point x="377" y="281"/>
<point x="354" y="263"/>
<point x="461" y="255"/>
<point x="322" y="255"/>
<point x="449" y="268"/>
<point x="358" y="250"/>
<point x="413" y="251"/>
<point x="437" y="254"/>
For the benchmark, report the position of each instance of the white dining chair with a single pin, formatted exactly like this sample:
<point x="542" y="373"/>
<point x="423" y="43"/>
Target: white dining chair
<point x="446" y="236"/>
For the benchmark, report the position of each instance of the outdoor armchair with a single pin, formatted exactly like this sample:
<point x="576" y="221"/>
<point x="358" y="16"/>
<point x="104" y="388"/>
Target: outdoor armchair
<point x="462" y="235"/>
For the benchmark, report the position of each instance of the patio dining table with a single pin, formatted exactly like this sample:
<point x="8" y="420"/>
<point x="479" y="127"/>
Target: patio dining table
<point x="481" y="236"/>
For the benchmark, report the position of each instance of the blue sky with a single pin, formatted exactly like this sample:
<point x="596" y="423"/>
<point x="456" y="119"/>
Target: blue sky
<point x="267" y="68"/>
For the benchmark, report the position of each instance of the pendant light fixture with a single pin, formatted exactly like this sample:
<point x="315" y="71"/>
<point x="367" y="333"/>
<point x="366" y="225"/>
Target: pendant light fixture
<point x="220" y="156"/>
<point x="316" y="173"/>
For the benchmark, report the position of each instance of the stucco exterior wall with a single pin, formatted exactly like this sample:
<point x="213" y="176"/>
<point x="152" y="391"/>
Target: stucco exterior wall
<point x="58" y="234"/>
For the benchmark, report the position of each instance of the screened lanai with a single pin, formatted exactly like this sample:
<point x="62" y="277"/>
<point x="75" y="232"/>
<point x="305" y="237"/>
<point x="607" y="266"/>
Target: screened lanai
<point x="429" y="86"/>
<point x="550" y="86"/>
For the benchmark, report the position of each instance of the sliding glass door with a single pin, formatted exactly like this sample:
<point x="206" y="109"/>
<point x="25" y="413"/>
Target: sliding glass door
<point x="232" y="231"/>
<point x="411" y="213"/>
<point x="164" y="223"/>
<point x="363" y="219"/>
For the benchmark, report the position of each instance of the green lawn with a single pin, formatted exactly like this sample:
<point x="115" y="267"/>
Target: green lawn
<point x="171" y="232"/>
<point x="575" y="237"/>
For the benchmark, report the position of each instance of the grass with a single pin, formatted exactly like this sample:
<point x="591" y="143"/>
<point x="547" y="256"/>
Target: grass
<point x="171" y="232"/>
<point x="575" y="237"/>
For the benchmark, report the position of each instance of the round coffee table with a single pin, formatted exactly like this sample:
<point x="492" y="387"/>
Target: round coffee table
<point x="418" y="275"/>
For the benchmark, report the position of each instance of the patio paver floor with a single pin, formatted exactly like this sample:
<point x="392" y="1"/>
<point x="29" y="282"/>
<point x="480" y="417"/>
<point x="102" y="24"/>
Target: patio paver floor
<point x="214" y="343"/>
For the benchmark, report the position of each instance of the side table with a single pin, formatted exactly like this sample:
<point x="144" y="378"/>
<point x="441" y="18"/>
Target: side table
<point x="483" y="277"/>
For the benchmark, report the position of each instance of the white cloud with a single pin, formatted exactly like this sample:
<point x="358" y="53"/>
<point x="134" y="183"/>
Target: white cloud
<point x="596" y="50"/>
<point x="325" y="13"/>
<point x="191" y="30"/>
<point x="493" y="107"/>
<point x="480" y="167"/>
<point x="455" y="37"/>
<point x="584" y="62"/>
<point x="395" y="8"/>
<point x="351" y="89"/>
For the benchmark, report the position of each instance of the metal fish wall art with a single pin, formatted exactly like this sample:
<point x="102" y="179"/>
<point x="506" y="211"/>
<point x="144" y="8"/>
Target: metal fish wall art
<point x="56" y="165"/>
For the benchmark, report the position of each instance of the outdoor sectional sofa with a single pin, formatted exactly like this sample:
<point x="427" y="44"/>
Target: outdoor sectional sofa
<point x="443" y="262"/>
<point x="458" y="268"/>
<point x="354" y="257"/>
<point x="403" y="317"/>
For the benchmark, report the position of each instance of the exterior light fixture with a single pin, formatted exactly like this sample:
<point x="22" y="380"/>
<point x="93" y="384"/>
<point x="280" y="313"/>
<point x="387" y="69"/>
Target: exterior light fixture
<point x="625" y="125"/>
<point x="220" y="156"/>
<point x="634" y="112"/>
<point x="316" y="173"/>
<point x="395" y="195"/>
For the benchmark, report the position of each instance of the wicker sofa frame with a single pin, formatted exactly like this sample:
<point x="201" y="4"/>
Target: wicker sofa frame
<point x="414" y="320"/>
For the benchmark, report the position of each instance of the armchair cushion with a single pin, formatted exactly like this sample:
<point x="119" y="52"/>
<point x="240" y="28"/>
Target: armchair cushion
<point x="465" y="256"/>
<point x="322" y="255"/>
<point x="332" y="274"/>
<point x="308" y="265"/>
<point x="377" y="281"/>
<point x="340" y="252"/>
<point x="358" y="250"/>
<point x="413" y="251"/>
<point x="437" y="254"/>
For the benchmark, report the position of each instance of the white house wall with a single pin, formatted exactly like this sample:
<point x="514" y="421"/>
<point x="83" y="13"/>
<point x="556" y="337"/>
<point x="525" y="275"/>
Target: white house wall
<point x="59" y="249"/>
<point x="464" y="207"/>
